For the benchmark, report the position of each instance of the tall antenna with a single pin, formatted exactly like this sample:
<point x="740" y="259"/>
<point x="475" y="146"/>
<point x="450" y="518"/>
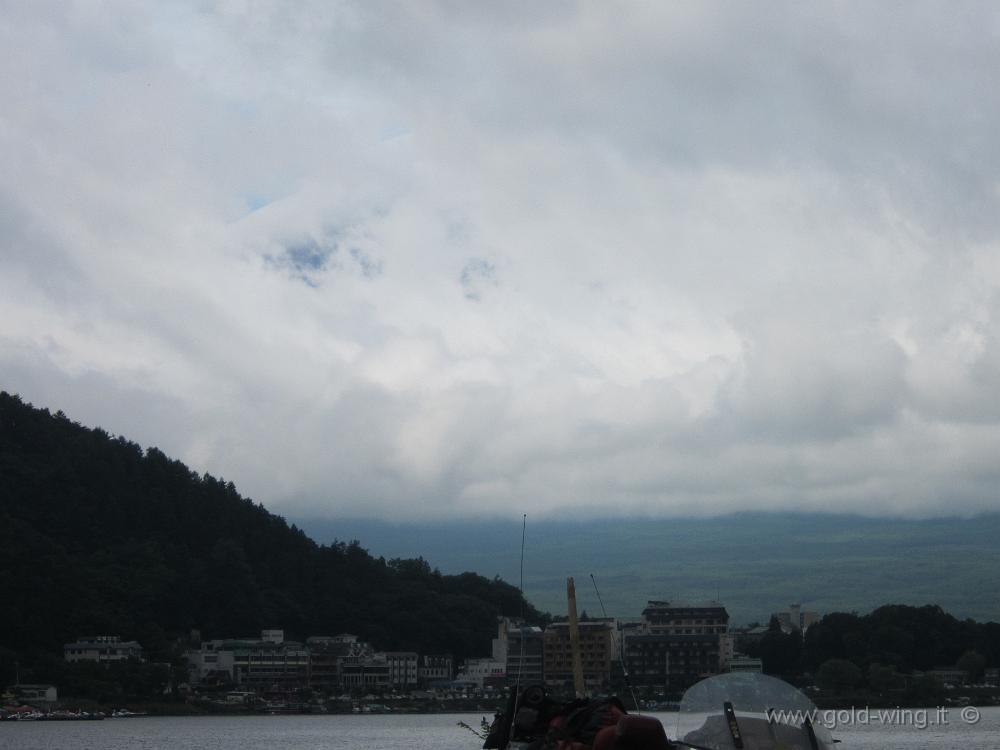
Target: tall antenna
<point x="520" y="660"/>
<point x="524" y="526"/>
<point x="618" y="648"/>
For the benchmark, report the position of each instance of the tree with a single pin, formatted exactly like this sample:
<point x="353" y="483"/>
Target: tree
<point x="780" y="651"/>
<point x="924" y="690"/>
<point x="882" y="678"/>
<point x="837" y="675"/>
<point x="973" y="664"/>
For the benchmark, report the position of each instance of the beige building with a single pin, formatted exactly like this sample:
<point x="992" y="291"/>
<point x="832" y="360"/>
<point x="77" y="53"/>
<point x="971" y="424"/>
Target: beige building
<point x="596" y="651"/>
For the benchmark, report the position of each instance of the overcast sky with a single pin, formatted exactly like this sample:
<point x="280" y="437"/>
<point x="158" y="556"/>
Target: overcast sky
<point x="437" y="259"/>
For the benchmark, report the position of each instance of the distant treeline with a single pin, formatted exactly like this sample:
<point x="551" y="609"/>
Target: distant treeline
<point x="98" y="536"/>
<point x="891" y="641"/>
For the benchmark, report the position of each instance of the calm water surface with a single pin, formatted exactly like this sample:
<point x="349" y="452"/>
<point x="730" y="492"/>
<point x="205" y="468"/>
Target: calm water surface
<point x="385" y="732"/>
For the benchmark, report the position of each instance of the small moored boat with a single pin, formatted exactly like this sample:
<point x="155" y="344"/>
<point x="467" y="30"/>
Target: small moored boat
<point x="736" y="711"/>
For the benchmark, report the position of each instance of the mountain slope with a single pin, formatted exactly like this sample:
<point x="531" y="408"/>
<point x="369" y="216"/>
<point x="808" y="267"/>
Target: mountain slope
<point x="99" y="536"/>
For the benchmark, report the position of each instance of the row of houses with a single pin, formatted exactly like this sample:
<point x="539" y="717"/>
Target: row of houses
<point x="111" y="648"/>
<point x="671" y="646"/>
<point x="104" y="649"/>
<point x="327" y="663"/>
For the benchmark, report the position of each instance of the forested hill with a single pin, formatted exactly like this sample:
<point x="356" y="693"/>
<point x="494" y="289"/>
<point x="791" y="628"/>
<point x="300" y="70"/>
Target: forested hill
<point x="98" y="536"/>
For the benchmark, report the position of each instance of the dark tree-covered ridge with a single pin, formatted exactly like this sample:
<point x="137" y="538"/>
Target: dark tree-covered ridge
<point x="904" y="637"/>
<point x="100" y="536"/>
<point x="890" y="640"/>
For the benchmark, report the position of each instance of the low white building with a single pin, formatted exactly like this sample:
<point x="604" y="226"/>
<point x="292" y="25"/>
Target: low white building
<point x="434" y="668"/>
<point x="34" y="694"/>
<point x="254" y="662"/>
<point x="741" y="663"/>
<point x="479" y="670"/>
<point x="949" y="675"/>
<point x="102" y="648"/>
<point x="211" y="659"/>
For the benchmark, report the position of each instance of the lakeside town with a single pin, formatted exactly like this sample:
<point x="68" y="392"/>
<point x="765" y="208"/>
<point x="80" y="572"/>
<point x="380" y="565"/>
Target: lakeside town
<point x="657" y="656"/>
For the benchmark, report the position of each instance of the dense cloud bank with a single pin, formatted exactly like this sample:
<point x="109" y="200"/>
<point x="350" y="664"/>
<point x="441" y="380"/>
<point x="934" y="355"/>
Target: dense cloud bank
<point x="433" y="259"/>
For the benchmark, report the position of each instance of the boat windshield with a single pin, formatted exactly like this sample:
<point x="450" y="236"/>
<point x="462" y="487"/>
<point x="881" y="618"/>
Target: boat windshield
<point x="749" y="711"/>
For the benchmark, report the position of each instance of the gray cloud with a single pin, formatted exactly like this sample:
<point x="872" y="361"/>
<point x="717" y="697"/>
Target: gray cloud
<point x="749" y="253"/>
<point x="370" y="267"/>
<point x="477" y="274"/>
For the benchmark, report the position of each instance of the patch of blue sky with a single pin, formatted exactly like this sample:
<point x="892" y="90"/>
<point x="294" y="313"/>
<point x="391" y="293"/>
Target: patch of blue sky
<point x="394" y="133"/>
<point x="255" y="202"/>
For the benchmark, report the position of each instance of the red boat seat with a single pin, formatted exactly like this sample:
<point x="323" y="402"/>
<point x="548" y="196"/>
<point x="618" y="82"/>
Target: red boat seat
<point x="639" y="733"/>
<point x="605" y="739"/>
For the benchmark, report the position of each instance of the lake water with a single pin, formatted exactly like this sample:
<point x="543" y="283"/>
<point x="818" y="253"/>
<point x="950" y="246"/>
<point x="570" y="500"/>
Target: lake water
<point x="406" y="732"/>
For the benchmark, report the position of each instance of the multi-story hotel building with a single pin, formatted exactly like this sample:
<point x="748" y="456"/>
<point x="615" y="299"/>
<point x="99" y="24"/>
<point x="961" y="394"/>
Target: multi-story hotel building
<point x="678" y="644"/>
